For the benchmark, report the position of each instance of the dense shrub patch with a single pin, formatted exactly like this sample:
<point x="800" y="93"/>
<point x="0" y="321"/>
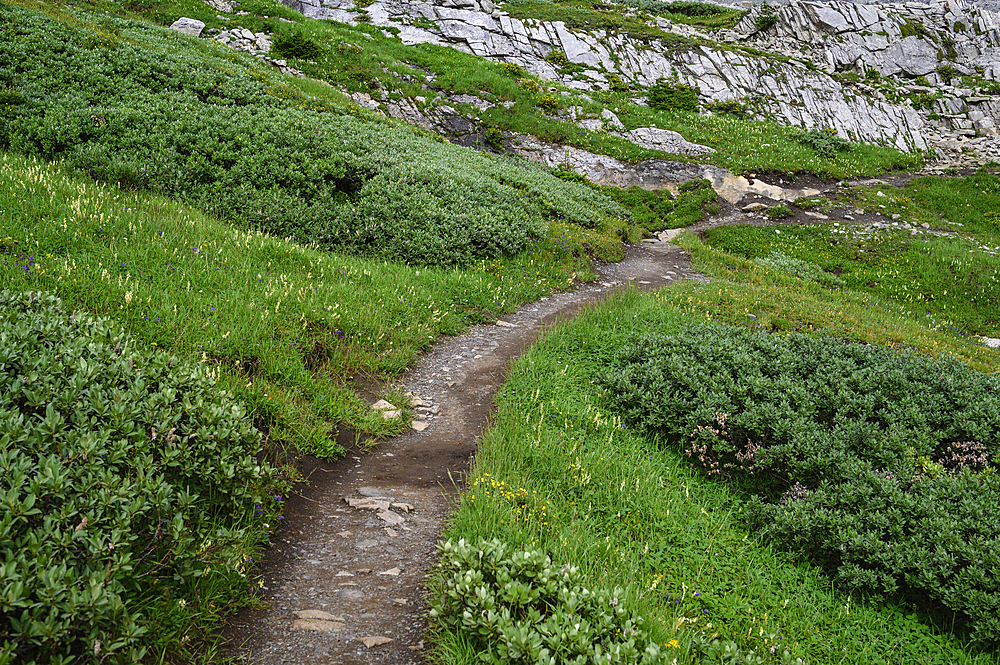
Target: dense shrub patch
<point x="125" y="475"/>
<point x="825" y="142"/>
<point x="875" y="463"/>
<point x="667" y="96"/>
<point x="519" y="607"/>
<point x="226" y="134"/>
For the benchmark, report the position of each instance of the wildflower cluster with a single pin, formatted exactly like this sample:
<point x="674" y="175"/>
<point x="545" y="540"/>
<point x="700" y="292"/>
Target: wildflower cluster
<point x="524" y="505"/>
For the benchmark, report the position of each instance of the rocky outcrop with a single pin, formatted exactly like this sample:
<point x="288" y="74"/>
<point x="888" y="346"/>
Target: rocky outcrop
<point x="792" y="92"/>
<point x="908" y="39"/>
<point x="914" y="53"/>
<point x="255" y="43"/>
<point x="650" y="174"/>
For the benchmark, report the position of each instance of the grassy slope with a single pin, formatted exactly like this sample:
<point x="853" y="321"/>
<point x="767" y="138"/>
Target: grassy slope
<point x="183" y="281"/>
<point x="558" y="473"/>
<point x="953" y="279"/>
<point x="289" y="326"/>
<point x="363" y="59"/>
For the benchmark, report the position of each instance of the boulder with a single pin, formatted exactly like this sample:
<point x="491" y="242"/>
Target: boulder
<point x="189" y="26"/>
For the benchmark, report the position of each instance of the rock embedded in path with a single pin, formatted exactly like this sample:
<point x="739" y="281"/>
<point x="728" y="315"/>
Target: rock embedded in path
<point x="375" y="640"/>
<point x="418" y="425"/>
<point x="390" y="518"/>
<point x="317" y="620"/>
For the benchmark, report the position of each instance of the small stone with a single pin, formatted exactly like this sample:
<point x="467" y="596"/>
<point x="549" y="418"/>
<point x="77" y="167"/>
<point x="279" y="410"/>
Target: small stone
<point x="391" y="518"/>
<point x="317" y="614"/>
<point x="389" y="532"/>
<point x="405" y="507"/>
<point x="392" y="572"/>
<point x="418" y="425"/>
<point x="365" y="544"/>
<point x="815" y="215"/>
<point x="363" y="571"/>
<point x="417" y="402"/>
<point x="375" y="640"/>
<point x="419" y="646"/>
<point x="318" y="625"/>
<point x="367" y="503"/>
<point x="754" y="207"/>
<point x="925" y="225"/>
<point x="351" y="594"/>
<point x="400" y="601"/>
<point x="505" y="324"/>
<point x="344" y="573"/>
<point x="344" y="534"/>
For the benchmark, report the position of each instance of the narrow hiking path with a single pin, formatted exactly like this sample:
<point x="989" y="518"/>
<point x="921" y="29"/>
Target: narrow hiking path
<point x="344" y="580"/>
<point x="344" y="584"/>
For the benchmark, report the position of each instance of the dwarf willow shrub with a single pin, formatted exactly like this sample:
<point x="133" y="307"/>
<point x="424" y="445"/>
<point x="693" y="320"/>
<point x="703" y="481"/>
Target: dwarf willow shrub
<point x="875" y="463"/>
<point x="519" y="607"/>
<point x="825" y="142"/>
<point x="296" y="44"/>
<point x="666" y="96"/>
<point x="225" y="133"/>
<point x="122" y="472"/>
<point x="801" y="269"/>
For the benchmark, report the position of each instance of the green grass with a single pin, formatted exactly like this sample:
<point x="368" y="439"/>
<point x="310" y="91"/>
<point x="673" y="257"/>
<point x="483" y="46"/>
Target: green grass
<point x="294" y="330"/>
<point x="953" y="279"/>
<point x="559" y="473"/>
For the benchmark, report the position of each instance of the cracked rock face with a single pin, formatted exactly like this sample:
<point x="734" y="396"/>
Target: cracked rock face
<point x="793" y="93"/>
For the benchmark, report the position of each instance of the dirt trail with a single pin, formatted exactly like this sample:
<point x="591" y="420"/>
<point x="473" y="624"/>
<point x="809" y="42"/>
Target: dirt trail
<point x="344" y="582"/>
<point x="340" y="575"/>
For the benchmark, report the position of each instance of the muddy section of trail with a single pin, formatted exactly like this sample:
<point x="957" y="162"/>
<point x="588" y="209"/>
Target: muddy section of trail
<point x="344" y="582"/>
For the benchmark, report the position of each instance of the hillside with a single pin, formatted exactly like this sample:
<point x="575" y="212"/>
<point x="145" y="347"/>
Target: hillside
<point x="228" y="228"/>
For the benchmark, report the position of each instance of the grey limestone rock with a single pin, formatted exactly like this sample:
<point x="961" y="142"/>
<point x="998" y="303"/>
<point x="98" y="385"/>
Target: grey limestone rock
<point x="189" y="26"/>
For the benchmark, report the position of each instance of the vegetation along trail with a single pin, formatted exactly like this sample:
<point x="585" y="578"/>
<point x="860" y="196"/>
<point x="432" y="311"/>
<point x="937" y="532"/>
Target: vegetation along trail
<point x="344" y="581"/>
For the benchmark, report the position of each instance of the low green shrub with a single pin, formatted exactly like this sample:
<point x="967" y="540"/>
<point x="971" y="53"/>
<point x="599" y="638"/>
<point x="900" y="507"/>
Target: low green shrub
<point x="617" y="84"/>
<point x="694" y="199"/>
<point x="296" y="44"/>
<point x="802" y="269"/>
<point x="731" y="107"/>
<point x="932" y="537"/>
<point x="549" y="103"/>
<point x="220" y="132"/>
<point x="529" y="84"/>
<point x="493" y="137"/>
<point x="947" y="72"/>
<point x="519" y="607"/>
<point x="825" y="142"/>
<point x="513" y="70"/>
<point x="650" y="209"/>
<point x="915" y="28"/>
<point x="766" y="20"/>
<point x="890" y="445"/>
<point x="125" y="476"/>
<point x="779" y="211"/>
<point x="666" y="96"/>
<point x="557" y="58"/>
